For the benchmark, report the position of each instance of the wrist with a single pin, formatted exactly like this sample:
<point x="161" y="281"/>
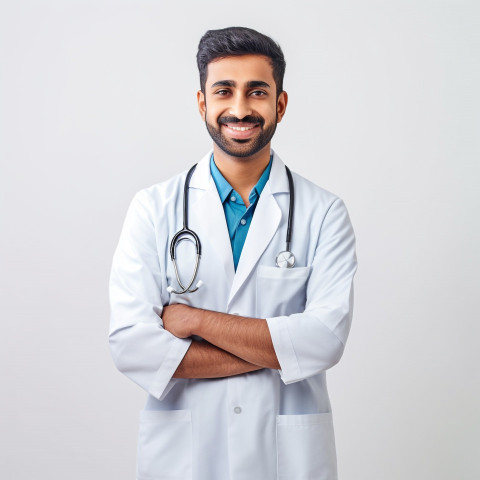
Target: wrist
<point x="196" y="320"/>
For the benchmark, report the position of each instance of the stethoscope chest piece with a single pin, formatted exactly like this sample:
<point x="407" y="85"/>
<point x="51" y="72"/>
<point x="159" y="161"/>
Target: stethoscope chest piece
<point x="285" y="259"/>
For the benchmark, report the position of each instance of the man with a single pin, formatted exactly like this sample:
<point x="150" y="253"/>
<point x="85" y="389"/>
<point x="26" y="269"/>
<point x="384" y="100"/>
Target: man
<point x="235" y="368"/>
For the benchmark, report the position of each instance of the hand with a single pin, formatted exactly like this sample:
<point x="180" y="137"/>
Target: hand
<point x="179" y="319"/>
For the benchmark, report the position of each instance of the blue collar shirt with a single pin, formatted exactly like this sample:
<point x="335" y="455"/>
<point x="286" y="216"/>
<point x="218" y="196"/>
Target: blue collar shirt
<point x="237" y="215"/>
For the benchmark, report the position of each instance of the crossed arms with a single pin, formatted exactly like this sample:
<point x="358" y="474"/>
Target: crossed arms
<point x="233" y="345"/>
<point x="150" y="352"/>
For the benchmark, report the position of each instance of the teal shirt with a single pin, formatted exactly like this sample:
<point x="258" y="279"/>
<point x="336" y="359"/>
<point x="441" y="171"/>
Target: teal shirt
<point x="237" y="215"/>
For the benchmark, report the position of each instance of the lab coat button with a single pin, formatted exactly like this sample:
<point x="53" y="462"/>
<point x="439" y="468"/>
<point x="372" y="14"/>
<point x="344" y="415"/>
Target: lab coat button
<point x="237" y="410"/>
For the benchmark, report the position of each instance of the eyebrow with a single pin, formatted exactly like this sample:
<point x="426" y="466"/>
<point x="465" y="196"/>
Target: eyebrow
<point x="250" y="84"/>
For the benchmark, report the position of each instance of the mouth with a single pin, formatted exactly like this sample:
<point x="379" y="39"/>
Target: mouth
<point x="240" y="130"/>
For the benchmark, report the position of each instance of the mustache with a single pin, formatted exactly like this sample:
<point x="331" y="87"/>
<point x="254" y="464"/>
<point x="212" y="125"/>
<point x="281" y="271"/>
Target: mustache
<point x="247" y="119"/>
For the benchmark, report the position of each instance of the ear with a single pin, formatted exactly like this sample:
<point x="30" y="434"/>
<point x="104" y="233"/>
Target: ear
<point x="281" y="105"/>
<point x="202" y="106"/>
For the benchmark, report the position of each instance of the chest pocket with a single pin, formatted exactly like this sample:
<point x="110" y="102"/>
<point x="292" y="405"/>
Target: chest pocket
<point x="281" y="291"/>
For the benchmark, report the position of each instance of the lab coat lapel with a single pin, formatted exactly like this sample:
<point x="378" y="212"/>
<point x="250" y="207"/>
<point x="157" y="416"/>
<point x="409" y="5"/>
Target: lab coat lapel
<point x="209" y="217"/>
<point x="265" y="222"/>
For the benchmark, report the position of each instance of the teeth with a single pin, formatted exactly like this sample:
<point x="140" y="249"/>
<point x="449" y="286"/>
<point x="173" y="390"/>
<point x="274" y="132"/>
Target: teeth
<point x="241" y="129"/>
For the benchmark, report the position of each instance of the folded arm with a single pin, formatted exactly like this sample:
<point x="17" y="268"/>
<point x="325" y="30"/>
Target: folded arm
<point x="300" y="344"/>
<point x="244" y="342"/>
<point x="150" y="352"/>
<point x="204" y="360"/>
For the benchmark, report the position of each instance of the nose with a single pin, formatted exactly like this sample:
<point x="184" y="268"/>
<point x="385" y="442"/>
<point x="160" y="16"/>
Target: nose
<point x="240" y="107"/>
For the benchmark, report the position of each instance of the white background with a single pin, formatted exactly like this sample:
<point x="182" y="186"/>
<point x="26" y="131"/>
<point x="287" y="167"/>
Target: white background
<point x="97" y="100"/>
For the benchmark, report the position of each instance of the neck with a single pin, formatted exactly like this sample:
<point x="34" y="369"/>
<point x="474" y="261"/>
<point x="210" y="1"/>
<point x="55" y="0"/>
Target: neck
<point x="242" y="173"/>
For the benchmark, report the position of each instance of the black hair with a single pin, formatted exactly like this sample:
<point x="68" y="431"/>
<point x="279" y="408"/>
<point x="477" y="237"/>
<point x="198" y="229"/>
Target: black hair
<point x="237" y="41"/>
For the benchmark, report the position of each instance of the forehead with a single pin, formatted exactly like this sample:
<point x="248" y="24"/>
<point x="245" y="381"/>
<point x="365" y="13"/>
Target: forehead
<point x="240" y="69"/>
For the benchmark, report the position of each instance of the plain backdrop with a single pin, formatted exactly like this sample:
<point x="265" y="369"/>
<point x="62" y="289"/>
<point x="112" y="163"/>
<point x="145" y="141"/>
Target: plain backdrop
<point x="98" y="100"/>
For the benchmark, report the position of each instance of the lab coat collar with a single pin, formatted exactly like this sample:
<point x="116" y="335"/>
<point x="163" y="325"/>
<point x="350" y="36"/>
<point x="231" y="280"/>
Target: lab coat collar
<point x="202" y="178"/>
<point x="264" y="224"/>
<point x="211" y="227"/>
<point x="278" y="176"/>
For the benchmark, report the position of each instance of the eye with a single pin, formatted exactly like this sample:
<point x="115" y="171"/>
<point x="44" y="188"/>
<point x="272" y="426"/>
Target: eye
<point x="258" y="93"/>
<point x="222" y="92"/>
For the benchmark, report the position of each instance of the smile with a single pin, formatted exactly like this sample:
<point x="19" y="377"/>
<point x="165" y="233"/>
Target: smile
<point x="241" y="129"/>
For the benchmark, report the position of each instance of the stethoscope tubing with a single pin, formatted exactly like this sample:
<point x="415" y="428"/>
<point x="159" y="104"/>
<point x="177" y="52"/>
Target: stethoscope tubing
<point x="186" y="234"/>
<point x="291" y="189"/>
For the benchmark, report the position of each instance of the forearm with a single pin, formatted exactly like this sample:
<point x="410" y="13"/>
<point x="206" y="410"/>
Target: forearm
<point x="244" y="337"/>
<point x="204" y="360"/>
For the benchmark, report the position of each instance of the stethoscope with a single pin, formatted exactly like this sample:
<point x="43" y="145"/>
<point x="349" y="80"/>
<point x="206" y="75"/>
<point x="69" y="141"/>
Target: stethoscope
<point x="285" y="259"/>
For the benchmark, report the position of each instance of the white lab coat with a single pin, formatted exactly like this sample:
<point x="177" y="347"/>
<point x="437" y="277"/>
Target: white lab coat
<point x="262" y="425"/>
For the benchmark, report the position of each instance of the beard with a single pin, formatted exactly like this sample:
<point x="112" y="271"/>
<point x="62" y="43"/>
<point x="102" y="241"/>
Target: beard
<point x="242" y="148"/>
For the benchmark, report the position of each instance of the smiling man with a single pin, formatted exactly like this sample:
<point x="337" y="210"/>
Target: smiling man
<point x="231" y="333"/>
<point x="241" y="128"/>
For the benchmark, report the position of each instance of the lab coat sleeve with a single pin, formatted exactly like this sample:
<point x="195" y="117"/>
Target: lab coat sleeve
<point x="141" y="348"/>
<point x="310" y="342"/>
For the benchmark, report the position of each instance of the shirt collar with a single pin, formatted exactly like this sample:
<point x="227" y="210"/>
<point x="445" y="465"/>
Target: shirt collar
<point x="262" y="181"/>
<point x="224" y="188"/>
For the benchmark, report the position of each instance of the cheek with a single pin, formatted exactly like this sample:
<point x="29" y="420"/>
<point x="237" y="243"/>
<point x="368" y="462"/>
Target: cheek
<point x="211" y="115"/>
<point x="271" y="118"/>
<point x="270" y="113"/>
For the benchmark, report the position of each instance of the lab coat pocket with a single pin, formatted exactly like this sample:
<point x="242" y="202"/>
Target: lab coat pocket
<point x="165" y="445"/>
<point x="281" y="291"/>
<point x="306" y="447"/>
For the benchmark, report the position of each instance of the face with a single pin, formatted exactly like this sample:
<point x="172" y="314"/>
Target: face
<point x="240" y="105"/>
